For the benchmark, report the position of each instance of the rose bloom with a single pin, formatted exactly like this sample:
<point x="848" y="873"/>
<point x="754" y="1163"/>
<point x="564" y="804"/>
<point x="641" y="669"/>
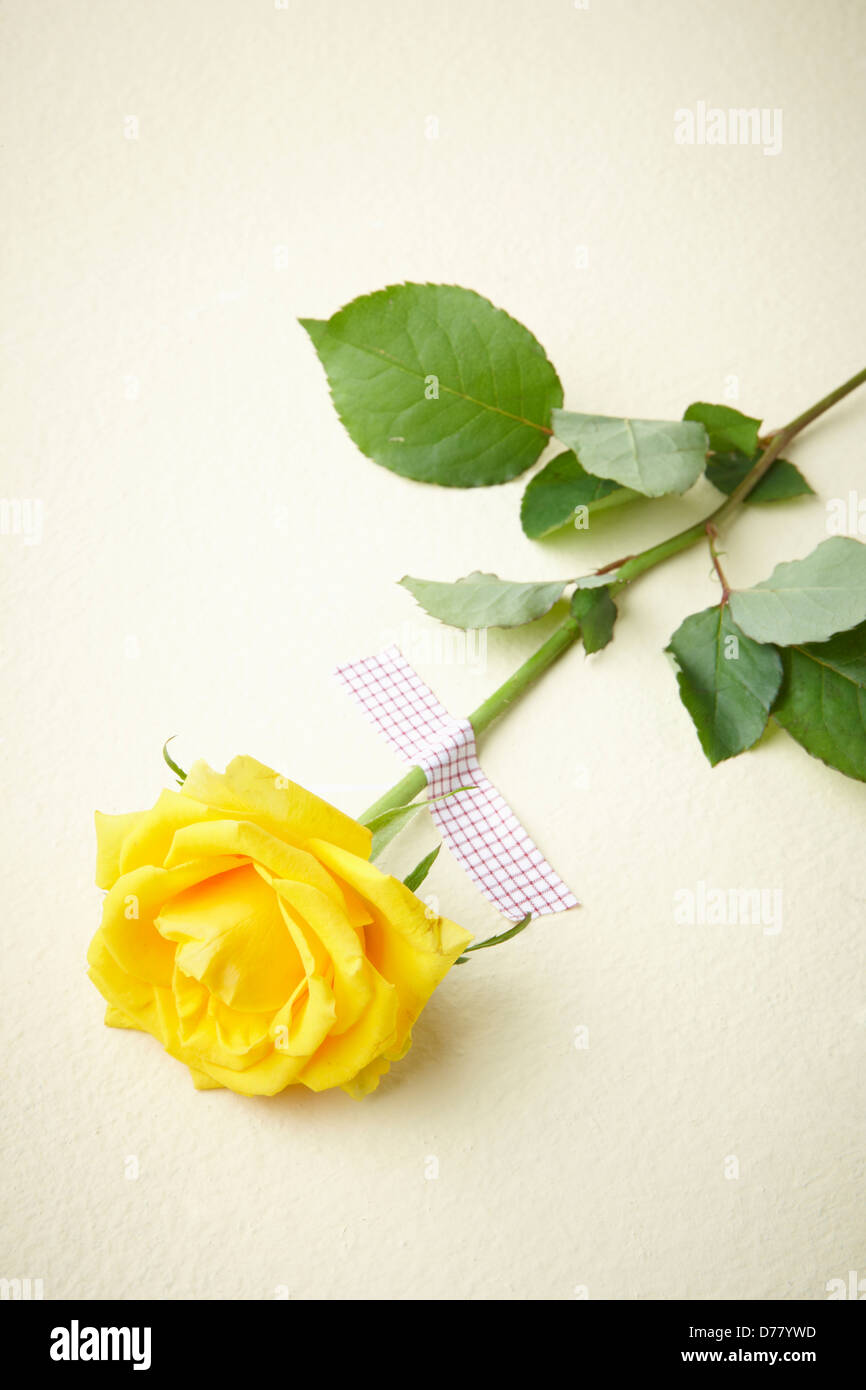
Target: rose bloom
<point x="246" y="929"/>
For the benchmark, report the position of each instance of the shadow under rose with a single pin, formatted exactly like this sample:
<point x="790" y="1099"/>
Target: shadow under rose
<point x="454" y="1023"/>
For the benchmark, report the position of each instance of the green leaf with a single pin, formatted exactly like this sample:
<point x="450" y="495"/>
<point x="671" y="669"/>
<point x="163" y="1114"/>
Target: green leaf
<point x="435" y="383"/>
<point x="389" y="823"/>
<point x="178" y="771"/>
<point x="414" y="880"/>
<point x="726" y="428"/>
<point x="823" y="700"/>
<point x="781" y="481"/>
<point x="807" y="600"/>
<point x="596" y="580"/>
<point x="495" y="940"/>
<point x="727" y="682"/>
<point x="484" y="600"/>
<point x="595" y="610"/>
<point x="552" y="496"/>
<point x="650" y="456"/>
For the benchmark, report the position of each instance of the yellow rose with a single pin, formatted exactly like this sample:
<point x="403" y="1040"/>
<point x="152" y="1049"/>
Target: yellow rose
<point x="245" y="929"/>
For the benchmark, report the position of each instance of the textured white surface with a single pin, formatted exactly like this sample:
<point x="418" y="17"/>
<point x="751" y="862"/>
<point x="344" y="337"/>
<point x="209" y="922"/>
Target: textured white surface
<point x="213" y="545"/>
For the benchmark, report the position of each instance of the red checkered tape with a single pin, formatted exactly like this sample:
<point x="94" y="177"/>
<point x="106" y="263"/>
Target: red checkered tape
<point x="477" y="824"/>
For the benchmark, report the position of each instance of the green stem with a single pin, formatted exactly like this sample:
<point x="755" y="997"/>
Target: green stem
<point x="656" y="554"/>
<point x="495" y="940"/>
<point x="568" y="632"/>
<point x="525" y="675"/>
<point x="712" y="537"/>
<point x="415" y="781"/>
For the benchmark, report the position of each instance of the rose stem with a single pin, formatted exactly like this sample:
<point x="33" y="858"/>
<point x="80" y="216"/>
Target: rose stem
<point x="568" y="632"/>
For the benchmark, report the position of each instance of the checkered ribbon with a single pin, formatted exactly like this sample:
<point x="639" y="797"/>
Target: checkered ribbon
<point x="478" y="826"/>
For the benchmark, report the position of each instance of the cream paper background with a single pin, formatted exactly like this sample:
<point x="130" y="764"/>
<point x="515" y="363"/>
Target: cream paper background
<point x="213" y="545"/>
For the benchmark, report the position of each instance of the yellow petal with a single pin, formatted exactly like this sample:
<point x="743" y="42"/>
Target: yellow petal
<point x="357" y="910"/>
<point x="191" y="1000"/>
<point x="320" y="917"/>
<point x="302" y="1024"/>
<point x="244" y="839"/>
<point x="311" y="952"/>
<point x="281" y="806"/>
<point x="244" y="1035"/>
<point x="206" y="1035"/>
<point x="111" y="834"/>
<point x="168" y="1022"/>
<point x="411" y="949"/>
<point x="203" y="1082"/>
<point x="340" y="1058"/>
<point x="233" y="940"/>
<point x="130" y="910"/>
<point x="116" y="1018"/>
<point x="144" y="1006"/>
<point x="367" y="1079"/>
<point x="150" y="839"/>
<point x="135" y="999"/>
<point x="274" y="1073"/>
